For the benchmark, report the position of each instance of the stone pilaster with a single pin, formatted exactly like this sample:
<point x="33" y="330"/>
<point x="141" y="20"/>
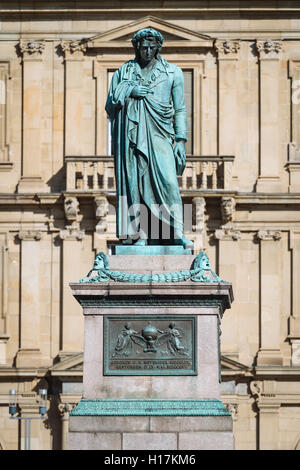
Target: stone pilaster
<point x="294" y="319"/>
<point x="199" y="227"/>
<point x="29" y="353"/>
<point x="269" y="53"/>
<point x="79" y="100"/>
<point x="270" y="297"/>
<point x="293" y="163"/>
<point x="64" y="409"/>
<point x="268" y="407"/>
<point x="228" y="55"/>
<point x="71" y="338"/>
<point x="31" y="175"/>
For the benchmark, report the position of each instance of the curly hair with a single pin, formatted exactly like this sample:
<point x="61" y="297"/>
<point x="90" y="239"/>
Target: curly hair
<point x="148" y="34"/>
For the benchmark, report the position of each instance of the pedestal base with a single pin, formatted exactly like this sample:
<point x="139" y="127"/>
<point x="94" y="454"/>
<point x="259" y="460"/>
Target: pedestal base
<point x="32" y="184"/>
<point x="152" y="355"/>
<point x="150" y="424"/>
<point x="28" y="358"/>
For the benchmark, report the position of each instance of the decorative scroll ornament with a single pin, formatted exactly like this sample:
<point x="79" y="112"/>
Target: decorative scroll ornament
<point x="201" y="272"/>
<point x="73" y="46"/>
<point x="269" y="235"/>
<point x="72" y="233"/>
<point x="227" y="47"/>
<point x="30" y="235"/>
<point x="269" y="46"/>
<point x="227" y="234"/>
<point x="233" y="409"/>
<point x="31" y="47"/>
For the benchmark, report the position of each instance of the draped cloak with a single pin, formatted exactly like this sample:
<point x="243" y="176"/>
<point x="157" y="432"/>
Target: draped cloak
<point x="143" y="132"/>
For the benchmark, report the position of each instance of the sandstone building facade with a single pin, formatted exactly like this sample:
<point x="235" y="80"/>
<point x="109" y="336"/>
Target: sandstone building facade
<point x="242" y="74"/>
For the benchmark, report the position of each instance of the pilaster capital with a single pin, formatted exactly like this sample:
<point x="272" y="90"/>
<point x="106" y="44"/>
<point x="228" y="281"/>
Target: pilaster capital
<point x="72" y="233"/>
<point x="31" y="49"/>
<point x="73" y="49"/>
<point x="30" y="235"/>
<point x="268" y="48"/>
<point x="65" y="408"/>
<point x="227" y="234"/>
<point x="233" y="408"/>
<point x="227" y="48"/>
<point x="269" y="235"/>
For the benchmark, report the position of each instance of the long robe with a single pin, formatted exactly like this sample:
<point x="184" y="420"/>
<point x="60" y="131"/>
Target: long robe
<point x="143" y="133"/>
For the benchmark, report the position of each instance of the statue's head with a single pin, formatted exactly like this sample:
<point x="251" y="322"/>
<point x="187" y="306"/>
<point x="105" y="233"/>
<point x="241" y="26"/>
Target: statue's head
<point x="147" y="44"/>
<point x="201" y="262"/>
<point x="101" y="261"/>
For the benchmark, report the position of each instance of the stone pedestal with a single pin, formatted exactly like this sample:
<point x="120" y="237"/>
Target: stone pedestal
<point x="152" y="357"/>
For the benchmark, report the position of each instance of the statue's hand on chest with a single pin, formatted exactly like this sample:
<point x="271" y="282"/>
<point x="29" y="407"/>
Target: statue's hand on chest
<point x="140" y="91"/>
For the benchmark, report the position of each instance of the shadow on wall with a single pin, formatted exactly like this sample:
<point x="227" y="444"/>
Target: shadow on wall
<point x="57" y="182"/>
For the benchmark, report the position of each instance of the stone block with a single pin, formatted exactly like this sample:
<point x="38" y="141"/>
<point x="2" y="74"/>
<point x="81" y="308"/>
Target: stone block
<point x="204" y="440"/>
<point x="190" y="423"/>
<point x="149" y="441"/>
<point x="96" y="424"/>
<point x="94" y="441"/>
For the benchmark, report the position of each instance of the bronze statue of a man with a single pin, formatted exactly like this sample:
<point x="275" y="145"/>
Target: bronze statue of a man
<point x="149" y="129"/>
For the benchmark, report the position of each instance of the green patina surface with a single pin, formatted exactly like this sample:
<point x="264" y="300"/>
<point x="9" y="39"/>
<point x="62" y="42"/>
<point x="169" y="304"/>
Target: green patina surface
<point x="201" y="271"/>
<point x="149" y="407"/>
<point x="152" y="250"/>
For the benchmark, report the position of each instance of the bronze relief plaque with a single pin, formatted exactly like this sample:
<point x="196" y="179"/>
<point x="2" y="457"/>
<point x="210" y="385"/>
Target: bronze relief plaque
<point x="150" y="345"/>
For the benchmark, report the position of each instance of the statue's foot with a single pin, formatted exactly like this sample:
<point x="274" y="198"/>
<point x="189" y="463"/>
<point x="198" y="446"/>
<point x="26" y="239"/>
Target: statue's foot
<point x="127" y="241"/>
<point x="141" y="242"/>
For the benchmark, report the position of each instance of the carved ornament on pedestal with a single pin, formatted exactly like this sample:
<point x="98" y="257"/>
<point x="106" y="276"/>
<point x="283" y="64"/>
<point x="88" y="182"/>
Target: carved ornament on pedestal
<point x="227" y="46"/>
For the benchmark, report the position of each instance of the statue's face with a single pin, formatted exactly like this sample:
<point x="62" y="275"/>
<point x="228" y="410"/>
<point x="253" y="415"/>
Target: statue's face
<point x="147" y="50"/>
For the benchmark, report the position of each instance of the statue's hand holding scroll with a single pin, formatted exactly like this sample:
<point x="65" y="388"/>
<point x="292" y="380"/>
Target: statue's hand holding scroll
<point x="180" y="157"/>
